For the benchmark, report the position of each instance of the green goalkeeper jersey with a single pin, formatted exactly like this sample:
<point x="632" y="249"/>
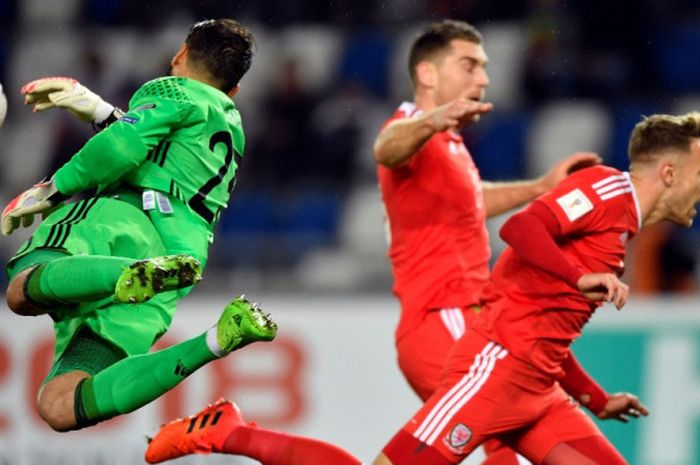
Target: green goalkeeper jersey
<point x="180" y="137"/>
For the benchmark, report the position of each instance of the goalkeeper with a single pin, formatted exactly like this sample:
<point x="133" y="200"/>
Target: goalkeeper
<point x="162" y="173"/>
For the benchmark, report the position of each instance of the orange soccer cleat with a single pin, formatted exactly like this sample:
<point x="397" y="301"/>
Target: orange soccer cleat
<point x="202" y="433"/>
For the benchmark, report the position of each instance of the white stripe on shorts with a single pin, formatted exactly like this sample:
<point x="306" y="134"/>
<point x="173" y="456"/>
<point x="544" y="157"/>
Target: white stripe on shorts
<point x="453" y="319"/>
<point x="460" y="393"/>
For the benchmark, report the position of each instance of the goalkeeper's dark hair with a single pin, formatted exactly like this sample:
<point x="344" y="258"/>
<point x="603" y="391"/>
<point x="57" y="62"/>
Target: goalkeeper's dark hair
<point x="435" y="40"/>
<point x="657" y="134"/>
<point x="223" y="48"/>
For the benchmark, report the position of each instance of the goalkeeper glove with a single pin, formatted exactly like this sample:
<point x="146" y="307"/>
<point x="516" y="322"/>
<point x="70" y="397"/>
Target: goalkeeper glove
<point x="40" y="198"/>
<point x="64" y="92"/>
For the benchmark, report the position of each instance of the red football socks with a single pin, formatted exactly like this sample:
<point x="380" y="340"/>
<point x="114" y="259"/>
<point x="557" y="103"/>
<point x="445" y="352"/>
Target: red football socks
<point x="274" y="448"/>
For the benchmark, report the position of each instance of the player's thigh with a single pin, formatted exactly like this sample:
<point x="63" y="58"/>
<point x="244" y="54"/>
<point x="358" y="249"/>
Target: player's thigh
<point x="94" y="226"/>
<point x="483" y="395"/>
<point x="499" y="452"/>
<point x="442" y="431"/>
<point x="182" y="231"/>
<point x="405" y="449"/>
<point x="132" y="328"/>
<point x="563" y="423"/>
<point x="593" y="450"/>
<point x="86" y="352"/>
<point x="124" y="230"/>
<point x="422" y="353"/>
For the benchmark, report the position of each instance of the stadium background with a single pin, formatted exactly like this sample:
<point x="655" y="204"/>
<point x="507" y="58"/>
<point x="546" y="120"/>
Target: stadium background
<point x="304" y="232"/>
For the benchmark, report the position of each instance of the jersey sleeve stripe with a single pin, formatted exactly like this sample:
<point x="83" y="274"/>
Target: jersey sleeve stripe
<point x="616" y="193"/>
<point x="609" y="179"/>
<point x="612" y="186"/>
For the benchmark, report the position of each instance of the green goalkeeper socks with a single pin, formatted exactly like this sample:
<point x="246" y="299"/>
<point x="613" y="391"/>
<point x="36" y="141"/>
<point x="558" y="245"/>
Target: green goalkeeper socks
<point x="75" y="279"/>
<point x="135" y="381"/>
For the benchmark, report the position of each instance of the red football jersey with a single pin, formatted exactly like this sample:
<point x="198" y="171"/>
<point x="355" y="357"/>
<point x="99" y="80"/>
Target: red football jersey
<point x="532" y="313"/>
<point x="438" y="243"/>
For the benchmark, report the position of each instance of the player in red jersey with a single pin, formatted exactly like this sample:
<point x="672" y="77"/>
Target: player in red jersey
<point x="437" y="205"/>
<point x="566" y="252"/>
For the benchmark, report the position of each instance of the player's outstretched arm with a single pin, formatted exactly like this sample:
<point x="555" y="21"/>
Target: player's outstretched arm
<point x="500" y="197"/>
<point x="108" y="156"/>
<point x="401" y="139"/>
<point x="69" y="94"/>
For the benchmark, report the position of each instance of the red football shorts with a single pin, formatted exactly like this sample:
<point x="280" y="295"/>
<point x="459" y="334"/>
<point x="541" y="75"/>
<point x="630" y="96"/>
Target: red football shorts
<point x="422" y="353"/>
<point x="488" y="394"/>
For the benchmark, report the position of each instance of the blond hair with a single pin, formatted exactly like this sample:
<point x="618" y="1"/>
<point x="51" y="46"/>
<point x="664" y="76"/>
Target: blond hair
<point x="658" y="134"/>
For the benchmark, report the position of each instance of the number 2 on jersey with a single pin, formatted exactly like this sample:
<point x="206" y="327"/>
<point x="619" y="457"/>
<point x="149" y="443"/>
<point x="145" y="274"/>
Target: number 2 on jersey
<point x="197" y="201"/>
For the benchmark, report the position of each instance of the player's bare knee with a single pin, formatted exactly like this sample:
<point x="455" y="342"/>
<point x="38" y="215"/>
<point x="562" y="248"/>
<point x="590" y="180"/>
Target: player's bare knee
<point x="16" y="299"/>
<point x="56" y="402"/>
<point x="54" y="414"/>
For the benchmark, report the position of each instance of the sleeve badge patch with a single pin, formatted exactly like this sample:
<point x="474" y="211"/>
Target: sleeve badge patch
<point x="575" y="204"/>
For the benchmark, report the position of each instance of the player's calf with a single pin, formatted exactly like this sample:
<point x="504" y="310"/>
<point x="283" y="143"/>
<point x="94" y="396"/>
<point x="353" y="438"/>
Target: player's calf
<point x="146" y="278"/>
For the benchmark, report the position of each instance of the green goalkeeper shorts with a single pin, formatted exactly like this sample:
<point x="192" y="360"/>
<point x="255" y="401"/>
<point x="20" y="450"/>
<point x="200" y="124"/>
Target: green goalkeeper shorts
<point x="101" y="226"/>
<point x="86" y="352"/>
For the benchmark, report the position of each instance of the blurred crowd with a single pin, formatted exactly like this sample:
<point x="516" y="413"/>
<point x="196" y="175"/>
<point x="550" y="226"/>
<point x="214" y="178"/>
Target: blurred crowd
<point x="306" y="214"/>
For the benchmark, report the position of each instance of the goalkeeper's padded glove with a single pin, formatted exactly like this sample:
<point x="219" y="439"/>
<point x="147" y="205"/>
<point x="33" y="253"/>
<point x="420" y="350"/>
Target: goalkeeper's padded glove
<point x="65" y="92"/>
<point x="41" y="198"/>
